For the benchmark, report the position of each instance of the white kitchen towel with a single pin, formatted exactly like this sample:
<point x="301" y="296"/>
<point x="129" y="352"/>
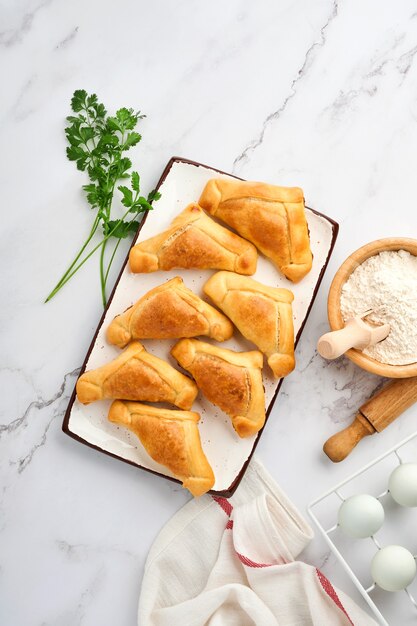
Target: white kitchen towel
<point x="231" y="562"/>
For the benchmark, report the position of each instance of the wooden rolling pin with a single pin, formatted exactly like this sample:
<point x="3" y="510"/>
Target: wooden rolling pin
<point x="373" y="416"/>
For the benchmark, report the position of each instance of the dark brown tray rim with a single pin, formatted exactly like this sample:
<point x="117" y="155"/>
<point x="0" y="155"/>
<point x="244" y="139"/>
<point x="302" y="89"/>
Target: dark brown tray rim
<point x="226" y="493"/>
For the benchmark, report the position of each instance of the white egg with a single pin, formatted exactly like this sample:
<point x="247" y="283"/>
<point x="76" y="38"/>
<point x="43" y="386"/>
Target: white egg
<point x="361" y="516"/>
<point x="402" y="484"/>
<point x="393" y="568"/>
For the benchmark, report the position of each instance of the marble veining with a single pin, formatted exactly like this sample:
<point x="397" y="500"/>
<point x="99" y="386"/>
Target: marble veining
<point x="68" y="39"/>
<point x="12" y="36"/>
<point x="316" y="94"/>
<point x="38" y="405"/>
<point x="308" y="59"/>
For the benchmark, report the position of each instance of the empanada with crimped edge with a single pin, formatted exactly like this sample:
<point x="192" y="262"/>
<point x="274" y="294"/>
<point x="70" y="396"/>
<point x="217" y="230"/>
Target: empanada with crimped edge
<point x="137" y="375"/>
<point x="262" y="314"/>
<point x="170" y="311"/>
<point x="271" y="217"/>
<point x="171" y="438"/>
<point x="194" y="241"/>
<point x="231" y="380"/>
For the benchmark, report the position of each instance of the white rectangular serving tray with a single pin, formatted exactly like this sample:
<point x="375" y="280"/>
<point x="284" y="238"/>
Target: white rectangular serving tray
<point x="181" y="183"/>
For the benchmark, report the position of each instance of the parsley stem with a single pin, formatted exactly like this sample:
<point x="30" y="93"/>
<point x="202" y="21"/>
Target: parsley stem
<point x="115" y="248"/>
<point x="111" y="261"/>
<point x="90" y="124"/>
<point x="102" y="277"/>
<point x="62" y="280"/>
<point x="69" y="276"/>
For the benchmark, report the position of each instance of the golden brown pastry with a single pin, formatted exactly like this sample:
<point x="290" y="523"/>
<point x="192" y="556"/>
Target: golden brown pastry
<point x="194" y="240"/>
<point x="169" y="311"/>
<point x="231" y="380"/>
<point x="272" y="217"/>
<point x="171" y="438"/>
<point x="262" y="314"/>
<point x="137" y="375"/>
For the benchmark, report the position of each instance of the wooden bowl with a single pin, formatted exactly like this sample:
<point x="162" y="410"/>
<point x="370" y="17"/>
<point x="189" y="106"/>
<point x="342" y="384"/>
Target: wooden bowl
<point x="333" y="303"/>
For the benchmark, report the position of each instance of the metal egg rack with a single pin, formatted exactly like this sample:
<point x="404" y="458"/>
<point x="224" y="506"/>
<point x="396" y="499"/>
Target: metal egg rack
<point x="327" y="532"/>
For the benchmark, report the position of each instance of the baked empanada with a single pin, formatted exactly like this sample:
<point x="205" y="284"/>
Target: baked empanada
<point x="169" y="311"/>
<point x="194" y="240"/>
<point x="262" y="314"/>
<point x="171" y="438"/>
<point x="137" y="375"/>
<point x="231" y="380"/>
<point x="272" y="217"/>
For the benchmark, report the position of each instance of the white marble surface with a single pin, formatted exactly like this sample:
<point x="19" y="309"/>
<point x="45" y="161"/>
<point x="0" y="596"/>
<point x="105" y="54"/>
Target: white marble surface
<point x="319" y="94"/>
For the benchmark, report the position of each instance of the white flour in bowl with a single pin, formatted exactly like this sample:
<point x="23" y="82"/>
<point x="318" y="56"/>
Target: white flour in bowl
<point x="387" y="283"/>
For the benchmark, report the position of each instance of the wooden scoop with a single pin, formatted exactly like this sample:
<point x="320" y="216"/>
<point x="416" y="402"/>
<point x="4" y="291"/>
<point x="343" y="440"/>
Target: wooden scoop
<point x="356" y="334"/>
<point x="373" y="416"/>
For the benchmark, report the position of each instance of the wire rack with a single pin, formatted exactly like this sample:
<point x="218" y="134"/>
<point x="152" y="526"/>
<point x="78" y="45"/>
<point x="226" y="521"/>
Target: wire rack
<point x="327" y="532"/>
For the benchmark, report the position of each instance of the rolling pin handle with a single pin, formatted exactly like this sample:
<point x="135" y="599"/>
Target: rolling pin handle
<point x="340" y="445"/>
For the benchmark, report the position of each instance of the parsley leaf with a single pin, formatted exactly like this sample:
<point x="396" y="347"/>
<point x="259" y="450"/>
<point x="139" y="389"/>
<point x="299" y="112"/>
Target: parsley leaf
<point x="127" y="195"/>
<point x="122" y="229"/>
<point x="135" y="181"/>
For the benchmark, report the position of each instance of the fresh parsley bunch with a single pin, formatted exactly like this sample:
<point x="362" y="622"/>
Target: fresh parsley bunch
<point x="97" y="143"/>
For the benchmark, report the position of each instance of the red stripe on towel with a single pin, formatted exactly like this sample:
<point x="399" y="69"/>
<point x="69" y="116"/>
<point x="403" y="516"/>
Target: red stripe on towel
<point x="225" y="505"/>
<point x="250" y="563"/>
<point x="229" y="524"/>
<point x="331" y="592"/>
